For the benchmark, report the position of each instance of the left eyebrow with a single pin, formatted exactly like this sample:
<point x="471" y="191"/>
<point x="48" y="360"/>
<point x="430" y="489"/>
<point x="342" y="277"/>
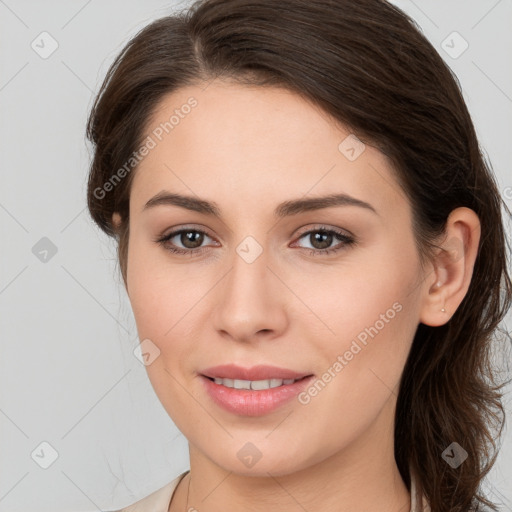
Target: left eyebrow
<point x="285" y="209"/>
<point x="297" y="206"/>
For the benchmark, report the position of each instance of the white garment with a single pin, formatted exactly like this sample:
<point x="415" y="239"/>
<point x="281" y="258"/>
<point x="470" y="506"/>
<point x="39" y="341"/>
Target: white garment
<point x="159" y="500"/>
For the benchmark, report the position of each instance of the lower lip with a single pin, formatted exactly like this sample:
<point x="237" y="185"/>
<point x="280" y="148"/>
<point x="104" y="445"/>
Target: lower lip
<point x="248" y="402"/>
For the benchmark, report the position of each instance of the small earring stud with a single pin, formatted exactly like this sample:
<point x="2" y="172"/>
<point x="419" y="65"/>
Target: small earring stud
<point x="443" y="310"/>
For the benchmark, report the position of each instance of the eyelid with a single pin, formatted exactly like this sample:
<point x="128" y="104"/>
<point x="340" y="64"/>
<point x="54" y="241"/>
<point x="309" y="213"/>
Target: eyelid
<point x="186" y="227"/>
<point x="324" y="227"/>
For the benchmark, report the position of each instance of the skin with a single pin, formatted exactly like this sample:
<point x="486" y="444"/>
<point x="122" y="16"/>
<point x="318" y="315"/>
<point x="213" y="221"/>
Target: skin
<point x="248" y="149"/>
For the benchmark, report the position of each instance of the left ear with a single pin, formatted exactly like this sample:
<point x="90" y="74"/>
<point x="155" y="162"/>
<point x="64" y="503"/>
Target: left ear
<point x="447" y="284"/>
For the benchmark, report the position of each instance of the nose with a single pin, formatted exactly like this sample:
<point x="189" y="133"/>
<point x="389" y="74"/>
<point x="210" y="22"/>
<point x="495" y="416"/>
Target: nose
<point x="251" y="301"/>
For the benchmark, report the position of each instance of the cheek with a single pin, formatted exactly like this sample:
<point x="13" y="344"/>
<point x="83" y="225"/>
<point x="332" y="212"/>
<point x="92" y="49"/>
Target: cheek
<point x="370" y="311"/>
<point x="369" y="288"/>
<point x="155" y="288"/>
<point x="161" y="298"/>
<point x="164" y="297"/>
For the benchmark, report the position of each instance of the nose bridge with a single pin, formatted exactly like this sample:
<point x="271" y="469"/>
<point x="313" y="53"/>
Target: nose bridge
<point x="248" y="276"/>
<point x="250" y="253"/>
<point x="250" y="300"/>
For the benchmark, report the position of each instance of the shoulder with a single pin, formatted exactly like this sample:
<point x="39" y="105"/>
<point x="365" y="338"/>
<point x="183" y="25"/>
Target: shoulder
<point x="157" y="501"/>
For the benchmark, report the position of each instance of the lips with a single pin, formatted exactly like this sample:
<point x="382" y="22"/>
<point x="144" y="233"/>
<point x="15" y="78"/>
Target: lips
<point x="253" y="391"/>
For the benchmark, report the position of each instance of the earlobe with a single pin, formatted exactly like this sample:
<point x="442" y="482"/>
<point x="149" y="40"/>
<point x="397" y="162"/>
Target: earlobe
<point x="449" y="280"/>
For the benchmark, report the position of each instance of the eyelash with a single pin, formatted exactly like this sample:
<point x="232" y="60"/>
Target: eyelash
<point x="346" y="240"/>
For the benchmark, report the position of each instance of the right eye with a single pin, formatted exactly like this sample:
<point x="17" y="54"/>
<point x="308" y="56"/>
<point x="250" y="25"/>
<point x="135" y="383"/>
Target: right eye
<point x="190" y="240"/>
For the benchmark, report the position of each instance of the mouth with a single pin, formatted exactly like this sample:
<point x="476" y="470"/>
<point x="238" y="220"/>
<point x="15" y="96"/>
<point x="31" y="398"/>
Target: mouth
<point x="255" y="391"/>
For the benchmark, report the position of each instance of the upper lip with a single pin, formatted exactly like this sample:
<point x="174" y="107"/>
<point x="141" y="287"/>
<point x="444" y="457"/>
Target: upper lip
<point x="260" y="372"/>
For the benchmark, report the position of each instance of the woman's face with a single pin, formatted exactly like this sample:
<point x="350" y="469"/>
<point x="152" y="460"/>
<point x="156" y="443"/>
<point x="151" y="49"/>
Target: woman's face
<point x="271" y="274"/>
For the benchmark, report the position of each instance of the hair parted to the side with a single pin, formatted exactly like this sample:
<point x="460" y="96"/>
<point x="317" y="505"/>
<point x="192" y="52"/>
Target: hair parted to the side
<point x="366" y="64"/>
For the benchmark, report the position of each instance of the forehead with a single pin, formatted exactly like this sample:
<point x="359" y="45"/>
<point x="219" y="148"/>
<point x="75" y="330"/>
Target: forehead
<point x="266" y="144"/>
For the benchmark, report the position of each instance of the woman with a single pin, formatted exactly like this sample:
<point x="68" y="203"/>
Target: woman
<point x="313" y="249"/>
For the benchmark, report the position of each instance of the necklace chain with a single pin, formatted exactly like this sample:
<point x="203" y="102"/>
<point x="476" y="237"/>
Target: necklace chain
<point x="188" y="491"/>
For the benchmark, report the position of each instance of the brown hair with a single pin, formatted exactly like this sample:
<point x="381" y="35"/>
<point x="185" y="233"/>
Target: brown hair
<point x="366" y="64"/>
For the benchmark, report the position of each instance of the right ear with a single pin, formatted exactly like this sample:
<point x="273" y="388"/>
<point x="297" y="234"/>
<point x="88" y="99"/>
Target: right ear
<point x="116" y="220"/>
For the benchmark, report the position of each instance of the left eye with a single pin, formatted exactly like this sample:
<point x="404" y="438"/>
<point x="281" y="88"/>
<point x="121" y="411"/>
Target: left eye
<point x="321" y="240"/>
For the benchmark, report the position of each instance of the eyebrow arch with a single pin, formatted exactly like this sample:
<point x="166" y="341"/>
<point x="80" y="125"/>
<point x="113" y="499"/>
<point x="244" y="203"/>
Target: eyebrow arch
<point x="285" y="209"/>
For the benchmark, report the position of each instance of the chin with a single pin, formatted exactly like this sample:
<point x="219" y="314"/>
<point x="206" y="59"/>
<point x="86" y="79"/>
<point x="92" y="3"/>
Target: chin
<point x="261" y="458"/>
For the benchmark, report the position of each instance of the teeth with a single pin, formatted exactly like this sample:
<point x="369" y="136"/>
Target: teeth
<point x="256" y="385"/>
<point x="242" y="384"/>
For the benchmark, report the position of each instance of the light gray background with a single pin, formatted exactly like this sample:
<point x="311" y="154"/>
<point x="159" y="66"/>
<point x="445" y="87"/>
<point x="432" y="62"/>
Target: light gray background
<point x="68" y="375"/>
